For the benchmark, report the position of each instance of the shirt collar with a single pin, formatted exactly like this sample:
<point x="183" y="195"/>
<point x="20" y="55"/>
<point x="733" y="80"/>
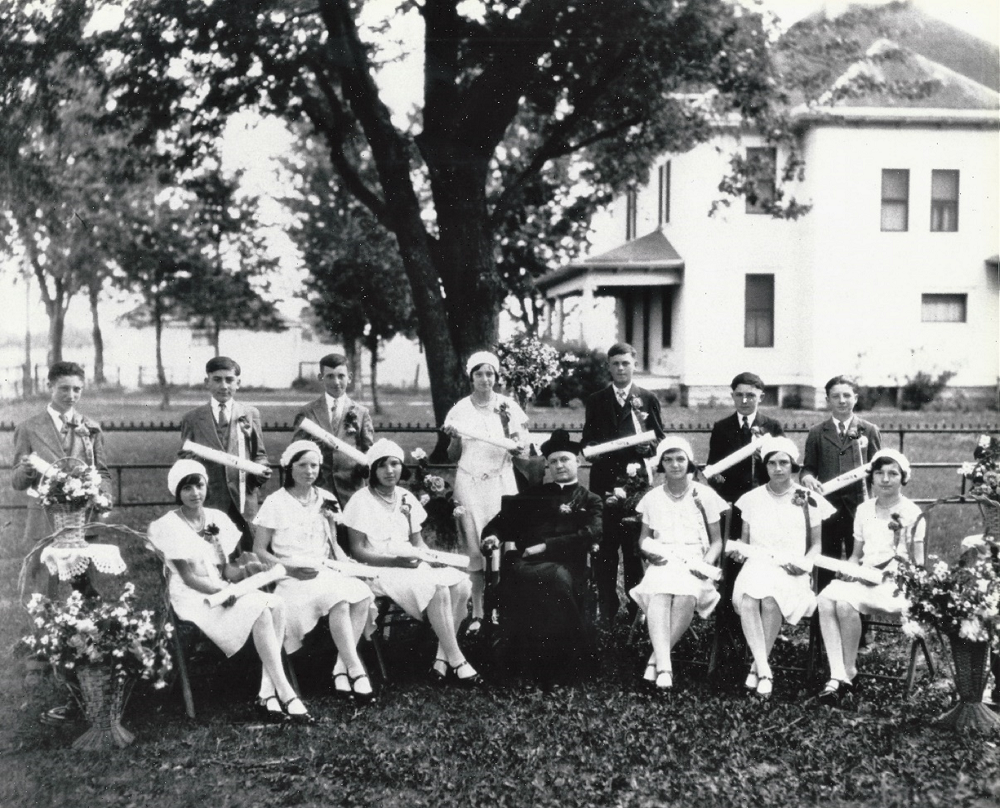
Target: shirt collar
<point x="564" y="486"/>
<point x="751" y="419"/>
<point x="627" y="391"/>
<point x="847" y="423"/>
<point x="57" y="417"/>
<point x="217" y="406"/>
<point x="332" y="402"/>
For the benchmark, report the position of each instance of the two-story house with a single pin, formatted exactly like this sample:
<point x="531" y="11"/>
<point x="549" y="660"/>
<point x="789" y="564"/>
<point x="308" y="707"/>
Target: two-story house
<point x="894" y="270"/>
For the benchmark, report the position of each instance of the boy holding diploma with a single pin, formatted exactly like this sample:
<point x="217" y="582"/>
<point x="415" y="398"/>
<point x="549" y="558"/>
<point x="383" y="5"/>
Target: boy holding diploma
<point x="226" y="425"/>
<point x="619" y="410"/>
<point x="343" y="418"/>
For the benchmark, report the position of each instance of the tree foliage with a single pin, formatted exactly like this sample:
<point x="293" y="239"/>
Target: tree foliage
<point x="511" y="92"/>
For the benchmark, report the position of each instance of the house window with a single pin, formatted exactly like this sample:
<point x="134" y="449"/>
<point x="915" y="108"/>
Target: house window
<point x="667" y="317"/>
<point x="943" y="308"/>
<point x="631" y="213"/>
<point x="664" y="215"/>
<point x="895" y="200"/>
<point x="758" y="330"/>
<point x="944" y="201"/>
<point x="762" y="165"/>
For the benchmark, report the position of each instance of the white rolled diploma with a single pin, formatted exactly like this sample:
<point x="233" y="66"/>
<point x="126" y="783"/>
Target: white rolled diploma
<point x="844" y="480"/>
<point x="731" y="460"/>
<point x="619" y="443"/>
<point x="753" y="551"/>
<point x="331" y="440"/>
<point x="251" y="584"/>
<point x="869" y="574"/>
<point x="472" y="434"/>
<point x="662" y="549"/>
<point x="224" y="458"/>
<point x="351" y="568"/>
<point x="430" y="556"/>
<point x="39" y="465"/>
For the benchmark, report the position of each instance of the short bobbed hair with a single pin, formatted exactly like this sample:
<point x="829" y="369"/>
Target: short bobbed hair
<point x="795" y="466"/>
<point x="190" y="479"/>
<point x="286" y="470"/>
<point x="374" y="467"/>
<point x="879" y="462"/>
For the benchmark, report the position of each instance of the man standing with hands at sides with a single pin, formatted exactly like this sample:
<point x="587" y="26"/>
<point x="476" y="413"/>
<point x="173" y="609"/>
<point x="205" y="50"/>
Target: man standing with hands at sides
<point x="619" y="410"/>
<point x="339" y="415"/>
<point x="226" y="425"/>
<point x="729" y="435"/>
<point x="839" y="444"/>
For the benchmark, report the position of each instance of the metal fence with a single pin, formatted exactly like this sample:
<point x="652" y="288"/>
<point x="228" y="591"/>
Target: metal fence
<point x="900" y="431"/>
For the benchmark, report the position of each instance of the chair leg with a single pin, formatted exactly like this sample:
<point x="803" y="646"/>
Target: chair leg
<point x="183" y="673"/>
<point x="376" y="642"/>
<point x="812" y="655"/>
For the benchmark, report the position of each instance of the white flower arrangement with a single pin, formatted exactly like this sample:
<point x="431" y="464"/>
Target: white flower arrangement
<point x="77" y="488"/>
<point x="91" y="631"/>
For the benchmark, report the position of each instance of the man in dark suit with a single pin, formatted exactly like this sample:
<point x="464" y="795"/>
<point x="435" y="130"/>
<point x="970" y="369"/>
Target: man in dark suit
<point x="729" y="435"/>
<point x="226" y="425"/>
<point x="547" y="533"/>
<point x="60" y="431"/>
<point x="839" y="444"/>
<point x="335" y="412"/>
<point x="619" y="410"/>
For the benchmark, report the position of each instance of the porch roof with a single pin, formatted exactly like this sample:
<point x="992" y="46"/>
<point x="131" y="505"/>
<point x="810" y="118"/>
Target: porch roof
<point x="647" y="261"/>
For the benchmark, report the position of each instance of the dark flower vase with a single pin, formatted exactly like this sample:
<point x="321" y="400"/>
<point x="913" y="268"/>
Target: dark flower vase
<point x="971" y="672"/>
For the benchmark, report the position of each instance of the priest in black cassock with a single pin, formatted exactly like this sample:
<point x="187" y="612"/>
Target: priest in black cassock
<point x="547" y="534"/>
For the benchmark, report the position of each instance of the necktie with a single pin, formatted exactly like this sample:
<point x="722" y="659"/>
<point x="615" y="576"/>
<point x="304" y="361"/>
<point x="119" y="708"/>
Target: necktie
<point x="66" y="433"/>
<point x="745" y="430"/>
<point x="223" y="417"/>
<point x="620" y="395"/>
<point x="842" y="429"/>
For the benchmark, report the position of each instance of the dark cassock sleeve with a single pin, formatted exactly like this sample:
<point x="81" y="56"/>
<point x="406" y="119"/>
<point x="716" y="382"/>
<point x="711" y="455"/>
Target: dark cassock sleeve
<point x="576" y="531"/>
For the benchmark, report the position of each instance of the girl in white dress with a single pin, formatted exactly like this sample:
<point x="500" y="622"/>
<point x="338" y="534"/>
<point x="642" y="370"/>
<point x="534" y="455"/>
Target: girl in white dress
<point x="884" y="528"/>
<point x="485" y="472"/>
<point x="297" y="527"/>
<point x="680" y="524"/>
<point x="196" y="543"/>
<point x="383" y="526"/>
<point x="784" y="520"/>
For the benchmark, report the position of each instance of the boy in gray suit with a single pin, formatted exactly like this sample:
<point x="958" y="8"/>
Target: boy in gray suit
<point x="226" y="425"/>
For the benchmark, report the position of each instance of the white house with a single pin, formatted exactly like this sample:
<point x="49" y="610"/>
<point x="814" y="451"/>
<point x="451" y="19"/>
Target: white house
<point x="893" y="270"/>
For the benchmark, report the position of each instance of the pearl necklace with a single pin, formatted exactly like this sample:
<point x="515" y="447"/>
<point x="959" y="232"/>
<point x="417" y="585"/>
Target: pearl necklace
<point x="390" y="501"/>
<point x="676" y="497"/>
<point x="197" y="526"/>
<point x="487" y="405"/>
<point x="303" y="501"/>
<point x="784" y="493"/>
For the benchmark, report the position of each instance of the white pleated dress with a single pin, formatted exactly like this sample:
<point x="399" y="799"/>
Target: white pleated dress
<point x="485" y="472"/>
<point x="879" y="550"/>
<point x="779" y="526"/>
<point x="302" y="535"/>
<point x="680" y="527"/>
<point x="390" y="525"/>
<point x="227" y="626"/>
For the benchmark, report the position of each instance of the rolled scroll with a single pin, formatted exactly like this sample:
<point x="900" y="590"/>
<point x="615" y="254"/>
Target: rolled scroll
<point x="618" y="443"/>
<point x="39" y="465"/>
<point x="251" y="584"/>
<point x="331" y="440"/>
<point x="352" y="569"/>
<point x="225" y="459"/>
<point x="663" y="550"/>
<point x="731" y="460"/>
<point x="844" y="480"/>
<point x="471" y="434"/>
<point x="758" y="553"/>
<point x="430" y="556"/>
<point x="869" y="574"/>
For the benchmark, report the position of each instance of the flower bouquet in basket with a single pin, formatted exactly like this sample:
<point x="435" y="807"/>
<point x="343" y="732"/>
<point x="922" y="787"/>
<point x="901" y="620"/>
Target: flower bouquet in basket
<point x="527" y="365"/>
<point x="101" y="647"/>
<point x="962" y="601"/>
<point x="437" y="498"/>
<point x="630" y="487"/>
<point x="68" y="492"/>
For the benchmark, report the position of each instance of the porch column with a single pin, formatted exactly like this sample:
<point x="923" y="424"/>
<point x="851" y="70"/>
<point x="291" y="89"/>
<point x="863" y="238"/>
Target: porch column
<point x="586" y="312"/>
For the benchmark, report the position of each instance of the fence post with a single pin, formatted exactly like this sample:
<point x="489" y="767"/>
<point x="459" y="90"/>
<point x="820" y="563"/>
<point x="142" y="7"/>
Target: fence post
<point x="902" y="435"/>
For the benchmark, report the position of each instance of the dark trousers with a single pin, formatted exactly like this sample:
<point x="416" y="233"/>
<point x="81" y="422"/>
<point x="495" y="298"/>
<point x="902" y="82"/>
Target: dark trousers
<point x="837" y="537"/>
<point x="728" y="666"/>
<point x="624" y="537"/>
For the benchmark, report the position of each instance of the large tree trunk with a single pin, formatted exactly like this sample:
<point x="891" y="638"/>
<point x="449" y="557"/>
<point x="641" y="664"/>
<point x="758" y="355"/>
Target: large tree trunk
<point x="216" y="335"/>
<point x="353" y="360"/>
<point x="93" y="292"/>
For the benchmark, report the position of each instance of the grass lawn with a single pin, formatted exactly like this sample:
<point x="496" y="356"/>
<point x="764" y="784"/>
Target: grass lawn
<point x="604" y="743"/>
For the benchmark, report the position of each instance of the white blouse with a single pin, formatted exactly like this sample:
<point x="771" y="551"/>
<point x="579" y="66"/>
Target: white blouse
<point x="478" y="458"/>
<point x="382" y="523"/>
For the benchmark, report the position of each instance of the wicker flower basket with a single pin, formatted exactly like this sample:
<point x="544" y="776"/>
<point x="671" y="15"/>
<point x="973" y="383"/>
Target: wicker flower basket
<point x="103" y="699"/>
<point x="69" y="524"/>
<point x="971" y="672"/>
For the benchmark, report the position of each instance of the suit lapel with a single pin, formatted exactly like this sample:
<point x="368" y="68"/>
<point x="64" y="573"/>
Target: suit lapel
<point x="45" y="430"/>
<point x="830" y="433"/>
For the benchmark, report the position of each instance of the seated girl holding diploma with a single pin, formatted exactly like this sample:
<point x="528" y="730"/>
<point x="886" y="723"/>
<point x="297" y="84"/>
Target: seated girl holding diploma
<point x="884" y="527"/>
<point x="297" y="527"/>
<point x="766" y="592"/>
<point x="383" y="525"/>
<point x="680" y="523"/>
<point x="196" y="542"/>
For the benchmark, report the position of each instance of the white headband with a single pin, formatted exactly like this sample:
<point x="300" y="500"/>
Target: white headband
<point x="297" y="446"/>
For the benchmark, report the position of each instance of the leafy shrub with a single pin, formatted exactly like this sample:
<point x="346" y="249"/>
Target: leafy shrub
<point x="310" y="385"/>
<point x="923" y="388"/>
<point x="581" y="372"/>
<point x="792" y="401"/>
